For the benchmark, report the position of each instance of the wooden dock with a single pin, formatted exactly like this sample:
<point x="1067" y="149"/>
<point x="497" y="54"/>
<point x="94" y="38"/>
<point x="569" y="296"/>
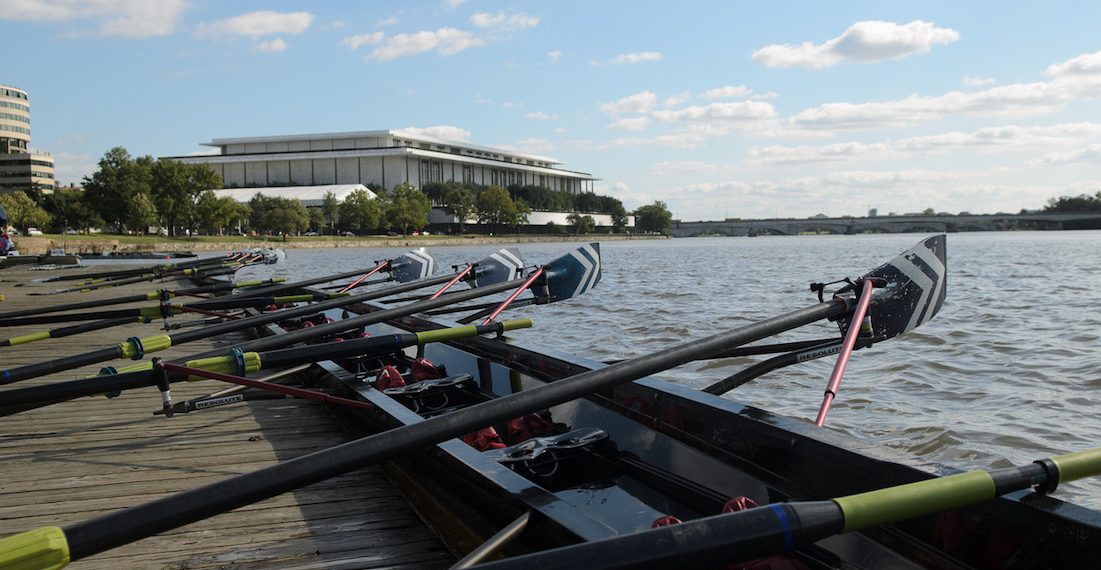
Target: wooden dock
<point x="73" y="461"/>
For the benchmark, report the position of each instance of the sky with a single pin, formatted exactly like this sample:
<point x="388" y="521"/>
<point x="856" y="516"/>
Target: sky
<point x="719" y="109"/>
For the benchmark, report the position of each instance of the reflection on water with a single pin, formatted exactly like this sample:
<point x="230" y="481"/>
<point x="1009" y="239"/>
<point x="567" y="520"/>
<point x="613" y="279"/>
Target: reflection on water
<point x="1008" y="372"/>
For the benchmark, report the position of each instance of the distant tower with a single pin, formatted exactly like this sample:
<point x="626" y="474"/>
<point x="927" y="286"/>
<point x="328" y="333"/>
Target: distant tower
<point x="15" y="120"/>
<point x="20" y="167"/>
<point x="873" y="212"/>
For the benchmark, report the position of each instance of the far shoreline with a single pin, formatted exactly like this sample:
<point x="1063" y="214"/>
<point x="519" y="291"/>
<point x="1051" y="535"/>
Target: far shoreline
<point x="106" y="245"/>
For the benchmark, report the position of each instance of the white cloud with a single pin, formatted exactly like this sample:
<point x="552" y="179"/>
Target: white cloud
<point x="682" y="167"/>
<point x="503" y="21"/>
<point x="1089" y="154"/>
<point x="453" y="3"/>
<point x="391" y="21"/>
<point x="864" y="42"/>
<point x="631" y="124"/>
<point x="1004" y="139"/>
<point x="276" y="45"/>
<point x="739" y="111"/>
<point x="445" y="41"/>
<point x="113" y="18"/>
<point x="976" y="80"/>
<point x="442" y="132"/>
<point x="554" y="55"/>
<point x="677" y="99"/>
<point x="638" y="103"/>
<point x="355" y="42"/>
<point x="636" y="57"/>
<point x="539" y="116"/>
<point x="256" y="24"/>
<point x="532" y="146"/>
<point x="1076" y="78"/>
<point x="727" y="91"/>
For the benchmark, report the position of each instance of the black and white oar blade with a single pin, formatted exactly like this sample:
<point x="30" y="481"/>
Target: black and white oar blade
<point x="572" y="274"/>
<point x="504" y="265"/>
<point x="916" y="286"/>
<point x="416" y="264"/>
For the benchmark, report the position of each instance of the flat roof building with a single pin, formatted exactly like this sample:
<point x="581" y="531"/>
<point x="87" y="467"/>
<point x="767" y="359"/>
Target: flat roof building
<point x="385" y="157"/>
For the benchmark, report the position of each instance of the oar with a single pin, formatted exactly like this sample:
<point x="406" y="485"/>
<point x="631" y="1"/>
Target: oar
<point x="159" y="294"/>
<point x="135" y="347"/>
<point x="782" y="527"/>
<point x="561" y="280"/>
<point x="191" y="272"/>
<point x="168" y="309"/>
<point x="108" y="531"/>
<point x="69" y="330"/>
<point x="226" y="396"/>
<point x="133" y="271"/>
<point x="240" y="363"/>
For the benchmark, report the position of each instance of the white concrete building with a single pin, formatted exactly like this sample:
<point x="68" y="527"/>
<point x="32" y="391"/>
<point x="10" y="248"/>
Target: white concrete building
<point x="310" y="196"/>
<point x="386" y="158"/>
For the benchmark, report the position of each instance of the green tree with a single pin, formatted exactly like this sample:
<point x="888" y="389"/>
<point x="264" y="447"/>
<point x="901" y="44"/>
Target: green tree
<point x="928" y="212"/>
<point x="581" y="224"/>
<point x="654" y="217"/>
<point x="461" y="203"/>
<point x="494" y="206"/>
<point x="176" y="188"/>
<point x="213" y="214"/>
<point x="286" y="215"/>
<point x="1074" y="204"/>
<point x="141" y="213"/>
<point x="408" y="208"/>
<point x="330" y="209"/>
<point x="70" y="209"/>
<point x="112" y="188"/>
<point x="360" y="212"/>
<point x="519" y="215"/>
<point x="22" y="212"/>
<point x="619" y="217"/>
<point x="317" y="219"/>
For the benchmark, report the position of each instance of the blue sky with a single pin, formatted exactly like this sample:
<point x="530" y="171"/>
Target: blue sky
<point x="721" y="109"/>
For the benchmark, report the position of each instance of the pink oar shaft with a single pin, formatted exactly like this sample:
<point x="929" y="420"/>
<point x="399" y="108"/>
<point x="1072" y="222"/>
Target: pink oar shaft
<point x="513" y="296"/>
<point x="461" y="274"/>
<point x="269" y="386"/>
<point x="365" y="275"/>
<point x="846" y="350"/>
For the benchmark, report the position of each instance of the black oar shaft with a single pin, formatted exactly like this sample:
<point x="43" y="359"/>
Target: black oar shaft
<point x="68" y="363"/>
<point x="150" y="296"/>
<point x="60" y="364"/>
<point x="137" y="270"/>
<point x="67" y="317"/>
<point x="277" y="289"/>
<point x="67" y="331"/>
<point x="114" y="529"/>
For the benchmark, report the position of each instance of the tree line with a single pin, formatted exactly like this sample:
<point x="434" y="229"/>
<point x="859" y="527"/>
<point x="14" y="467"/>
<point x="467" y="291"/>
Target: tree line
<point x="133" y="194"/>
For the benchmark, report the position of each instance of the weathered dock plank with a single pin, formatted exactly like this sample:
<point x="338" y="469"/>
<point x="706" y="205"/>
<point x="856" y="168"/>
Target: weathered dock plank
<point x="73" y="461"/>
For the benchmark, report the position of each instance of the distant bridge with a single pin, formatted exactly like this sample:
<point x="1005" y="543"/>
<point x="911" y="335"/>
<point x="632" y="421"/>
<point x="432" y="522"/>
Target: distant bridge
<point x="888" y="224"/>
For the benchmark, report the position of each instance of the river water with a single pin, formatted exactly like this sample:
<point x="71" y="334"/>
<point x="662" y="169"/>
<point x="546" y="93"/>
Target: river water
<point x="1008" y="372"/>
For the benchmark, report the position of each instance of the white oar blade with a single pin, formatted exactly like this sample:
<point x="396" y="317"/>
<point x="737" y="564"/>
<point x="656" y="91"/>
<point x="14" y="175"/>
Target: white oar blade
<point x="416" y="264"/>
<point x="504" y="265"/>
<point x="572" y="274"/>
<point x="916" y="287"/>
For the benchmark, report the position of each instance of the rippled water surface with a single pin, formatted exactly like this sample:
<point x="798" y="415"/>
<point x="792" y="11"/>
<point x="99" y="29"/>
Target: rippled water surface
<point x="1008" y="372"/>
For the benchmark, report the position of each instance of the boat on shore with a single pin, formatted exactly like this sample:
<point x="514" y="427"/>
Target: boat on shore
<point x="530" y="459"/>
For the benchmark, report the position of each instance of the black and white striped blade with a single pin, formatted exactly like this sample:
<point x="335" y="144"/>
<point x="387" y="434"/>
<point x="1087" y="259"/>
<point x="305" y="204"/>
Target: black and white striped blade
<point x="572" y="274"/>
<point x="504" y="265"/>
<point x="916" y="284"/>
<point x="416" y="264"/>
